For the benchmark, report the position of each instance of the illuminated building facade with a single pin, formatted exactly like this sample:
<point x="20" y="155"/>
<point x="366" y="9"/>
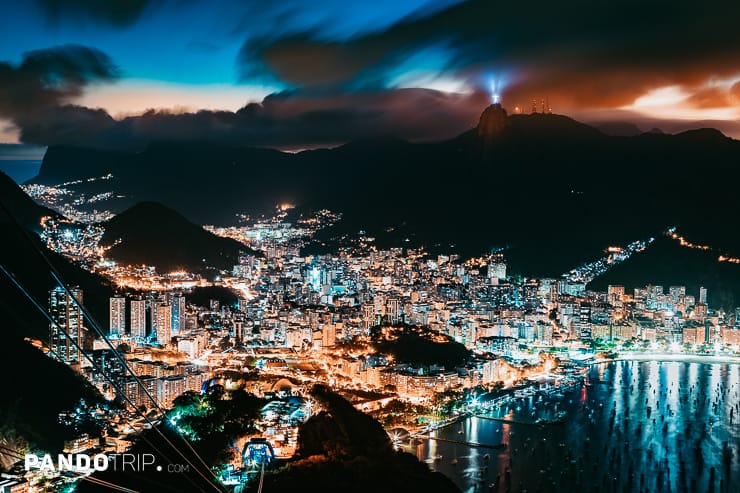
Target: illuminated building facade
<point x="117" y="316"/>
<point x="164" y="324"/>
<point x="496" y="269"/>
<point x="178" y="313"/>
<point x="138" y="319"/>
<point x="67" y="315"/>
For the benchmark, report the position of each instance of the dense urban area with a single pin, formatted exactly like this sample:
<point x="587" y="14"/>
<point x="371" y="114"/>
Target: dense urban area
<point x="414" y="339"/>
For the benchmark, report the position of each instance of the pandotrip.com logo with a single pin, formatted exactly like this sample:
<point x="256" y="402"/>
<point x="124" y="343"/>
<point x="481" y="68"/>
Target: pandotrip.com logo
<point x="84" y="463"/>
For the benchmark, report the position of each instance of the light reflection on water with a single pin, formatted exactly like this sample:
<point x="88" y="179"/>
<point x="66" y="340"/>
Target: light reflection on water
<point x="670" y="431"/>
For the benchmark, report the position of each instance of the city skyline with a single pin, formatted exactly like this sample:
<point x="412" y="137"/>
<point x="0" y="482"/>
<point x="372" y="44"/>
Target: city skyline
<point x="505" y="336"/>
<point x="427" y="346"/>
<point x="433" y="245"/>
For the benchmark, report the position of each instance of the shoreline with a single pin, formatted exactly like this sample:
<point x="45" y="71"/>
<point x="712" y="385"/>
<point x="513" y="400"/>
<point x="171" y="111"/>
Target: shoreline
<point x="667" y="357"/>
<point x="586" y="429"/>
<point x="674" y="357"/>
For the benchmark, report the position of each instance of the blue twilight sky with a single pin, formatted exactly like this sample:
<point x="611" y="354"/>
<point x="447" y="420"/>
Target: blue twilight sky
<point x="191" y="48"/>
<point x="631" y="60"/>
<point x="187" y="41"/>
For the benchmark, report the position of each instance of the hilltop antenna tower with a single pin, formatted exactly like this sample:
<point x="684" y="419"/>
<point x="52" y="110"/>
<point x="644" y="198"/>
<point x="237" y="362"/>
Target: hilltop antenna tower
<point x="534" y="105"/>
<point x="547" y="102"/>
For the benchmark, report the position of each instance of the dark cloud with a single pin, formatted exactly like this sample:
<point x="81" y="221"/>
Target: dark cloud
<point x="289" y="120"/>
<point x="116" y="12"/>
<point x="37" y="95"/>
<point x="302" y="64"/>
<point x="66" y="124"/>
<point x="50" y="77"/>
<point x="610" y="51"/>
<point x="580" y="54"/>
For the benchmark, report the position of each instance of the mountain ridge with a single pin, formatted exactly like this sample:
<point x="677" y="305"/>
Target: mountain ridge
<point x="151" y="233"/>
<point x="547" y="185"/>
<point x="21" y="207"/>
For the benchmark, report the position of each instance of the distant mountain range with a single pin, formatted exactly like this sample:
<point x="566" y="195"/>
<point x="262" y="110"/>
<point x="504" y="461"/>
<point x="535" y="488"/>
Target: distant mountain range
<point x="551" y="190"/>
<point x="152" y="234"/>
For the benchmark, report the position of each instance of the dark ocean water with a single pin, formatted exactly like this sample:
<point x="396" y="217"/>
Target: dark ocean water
<point x="640" y="426"/>
<point x="21" y="170"/>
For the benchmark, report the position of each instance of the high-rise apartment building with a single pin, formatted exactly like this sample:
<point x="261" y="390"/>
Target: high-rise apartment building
<point x="703" y="295"/>
<point x="164" y="324"/>
<point x="178" y="313"/>
<point x="138" y="319"/>
<point x="67" y="335"/>
<point x="117" y="316"/>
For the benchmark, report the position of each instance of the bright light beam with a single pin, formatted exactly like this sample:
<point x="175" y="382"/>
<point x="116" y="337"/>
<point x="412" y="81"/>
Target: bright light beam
<point x="495" y="96"/>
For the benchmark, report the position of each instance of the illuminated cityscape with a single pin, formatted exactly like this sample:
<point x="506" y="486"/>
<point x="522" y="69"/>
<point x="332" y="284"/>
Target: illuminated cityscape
<point x="442" y="246"/>
<point x="345" y="319"/>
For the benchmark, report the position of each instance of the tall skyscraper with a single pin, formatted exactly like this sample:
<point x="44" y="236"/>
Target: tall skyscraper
<point x="164" y="324"/>
<point x="703" y="295"/>
<point x="154" y="304"/>
<point x="178" y="313"/>
<point x="117" y="316"/>
<point x="68" y="315"/>
<point x="138" y="319"/>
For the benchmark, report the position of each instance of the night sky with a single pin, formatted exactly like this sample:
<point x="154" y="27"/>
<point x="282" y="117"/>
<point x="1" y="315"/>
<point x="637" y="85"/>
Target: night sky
<point x="303" y="73"/>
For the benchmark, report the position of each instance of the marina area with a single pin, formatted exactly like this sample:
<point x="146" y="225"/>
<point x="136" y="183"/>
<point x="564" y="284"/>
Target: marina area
<point x="624" y="426"/>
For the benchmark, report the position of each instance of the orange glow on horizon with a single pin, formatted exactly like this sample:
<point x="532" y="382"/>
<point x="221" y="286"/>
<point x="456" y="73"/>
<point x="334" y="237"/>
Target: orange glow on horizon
<point x="136" y="96"/>
<point x="674" y="103"/>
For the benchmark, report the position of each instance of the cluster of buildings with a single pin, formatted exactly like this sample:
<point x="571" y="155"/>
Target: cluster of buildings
<point x="79" y="241"/>
<point x="155" y="318"/>
<point x="302" y="319"/>
<point x="71" y="203"/>
<point x="311" y="302"/>
<point x="314" y="309"/>
<point x="146" y="326"/>
<point x="164" y="386"/>
<point x="135" y="320"/>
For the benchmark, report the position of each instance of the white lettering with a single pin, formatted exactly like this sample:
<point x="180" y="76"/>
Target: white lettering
<point x="147" y="460"/>
<point x="65" y="462"/>
<point x="100" y="462"/>
<point x="46" y="463"/>
<point x="83" y="458"/>
<point x="31" y="461"/>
